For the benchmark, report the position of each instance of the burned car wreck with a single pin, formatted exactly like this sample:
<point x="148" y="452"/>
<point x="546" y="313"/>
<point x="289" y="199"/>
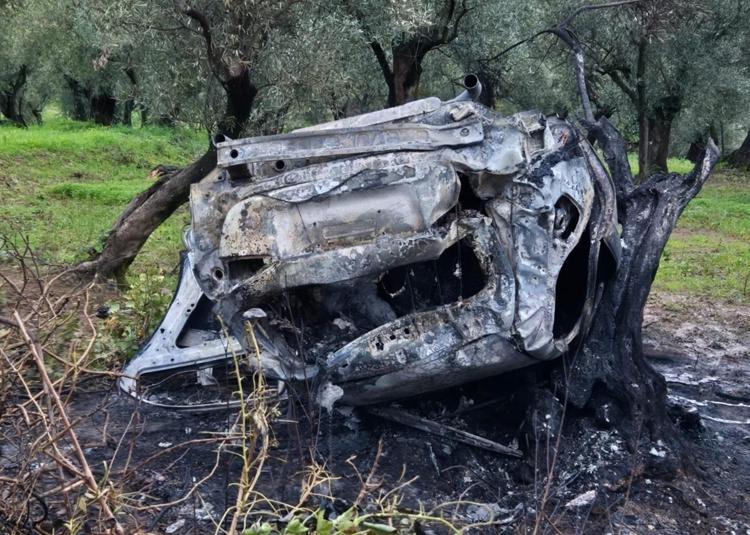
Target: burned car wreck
<point x="392" y="253"/>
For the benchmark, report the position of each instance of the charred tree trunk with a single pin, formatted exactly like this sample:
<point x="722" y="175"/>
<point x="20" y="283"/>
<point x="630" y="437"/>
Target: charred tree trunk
<point x="741" y="157"/>
<point x="607" y="360"/>
<point x="695" y="150"/>
<point x="610" y="357"/>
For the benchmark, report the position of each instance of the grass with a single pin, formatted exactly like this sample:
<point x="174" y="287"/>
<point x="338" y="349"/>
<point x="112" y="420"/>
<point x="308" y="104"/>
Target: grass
<point x="709" y="252"/>
<point x="65" y="182"/>
<point x="675" y="165"/>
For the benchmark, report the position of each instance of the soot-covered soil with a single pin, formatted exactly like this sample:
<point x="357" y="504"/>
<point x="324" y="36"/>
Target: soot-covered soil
<point x="585" y="481"/>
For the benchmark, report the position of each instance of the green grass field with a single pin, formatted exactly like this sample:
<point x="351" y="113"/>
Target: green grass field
<point x="64" y="184"/>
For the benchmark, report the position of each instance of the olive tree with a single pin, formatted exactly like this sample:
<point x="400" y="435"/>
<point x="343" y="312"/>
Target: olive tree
<point x="401" y="35"/>
<point x="230" y="40"/>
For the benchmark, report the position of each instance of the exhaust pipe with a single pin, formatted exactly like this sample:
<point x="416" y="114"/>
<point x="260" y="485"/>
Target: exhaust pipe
<point x="473" y="89"/>
<point x="473" y="86"/>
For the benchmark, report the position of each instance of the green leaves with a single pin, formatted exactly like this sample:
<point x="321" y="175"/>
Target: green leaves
<point x="347" y="523"/>
<point x="259" y="529"/>
<point x="135" y="316"/>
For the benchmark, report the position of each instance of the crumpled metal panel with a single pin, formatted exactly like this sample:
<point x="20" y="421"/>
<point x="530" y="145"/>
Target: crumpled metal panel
<point x="329" y="213"/>
<point x="409" y="196"/>
<point x="388" y="115"/>
<point x="348" y="141"/>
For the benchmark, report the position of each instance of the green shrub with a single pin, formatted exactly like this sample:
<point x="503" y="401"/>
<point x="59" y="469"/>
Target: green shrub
<point x="135" y="316"/>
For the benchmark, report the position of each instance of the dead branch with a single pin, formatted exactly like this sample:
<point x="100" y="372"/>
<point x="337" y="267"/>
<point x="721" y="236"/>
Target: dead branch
<point x="49" y="388"/>
<point x="442" y="430"/>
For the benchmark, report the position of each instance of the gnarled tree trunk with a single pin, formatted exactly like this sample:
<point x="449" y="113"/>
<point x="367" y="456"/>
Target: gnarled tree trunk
<point x="80" y="96"/>
<point x="11" y="98"/>
<point x="103" y="107"/>
<point x="610" y="357"/>
<point x="489" y="82"/>
<point x="660" y="133"/>
<point x="406" y="72"/>
<point x="402" y="74"/>
<point x="741" y="157"/>
<point x="129" y="105"/>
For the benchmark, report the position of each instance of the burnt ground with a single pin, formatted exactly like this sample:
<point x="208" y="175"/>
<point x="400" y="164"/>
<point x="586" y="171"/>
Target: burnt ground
<point x="594" y="484"/>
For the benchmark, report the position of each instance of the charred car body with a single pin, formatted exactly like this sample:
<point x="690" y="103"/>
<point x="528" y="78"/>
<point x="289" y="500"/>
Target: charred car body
<point x="395" y="252"/>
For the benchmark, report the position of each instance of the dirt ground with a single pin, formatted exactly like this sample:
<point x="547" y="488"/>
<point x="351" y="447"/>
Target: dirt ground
<point x="587" y="482"/>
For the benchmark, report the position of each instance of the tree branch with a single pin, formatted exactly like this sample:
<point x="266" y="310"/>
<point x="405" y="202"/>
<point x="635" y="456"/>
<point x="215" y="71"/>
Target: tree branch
<point x="614" y="75"/>
<point x="580" y="69"/>
<point x="615" y="154"/>
<point x="448" y="23"/>
<point x="382" y="61"/>
<point x="218" y="66"/>
<point x="562" y="31"/>
<point x="594" y="7"/>
<point x="375" y="45"/>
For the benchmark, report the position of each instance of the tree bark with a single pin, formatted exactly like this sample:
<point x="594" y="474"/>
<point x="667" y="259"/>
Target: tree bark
<point x="609" y="361"/>
<point x="127" y="112"/>
<point x="642" y="110"/>
<point x="488" y="96"/>
<point x="129" y="106"/>
<point x="654" y="122"/>
<point x="11" y="99"/>
<point x="660" y="132"/>
<point x="241" y="93"/>
<point x="81" y="97"/>
<point x="741" y="157"/>
<point x="402" y="74"/>
<point x="407" y="70"/>
<point x="103" y="107"/>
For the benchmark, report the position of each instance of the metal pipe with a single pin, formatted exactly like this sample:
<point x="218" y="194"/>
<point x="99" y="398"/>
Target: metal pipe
<point x="473" y="89"/>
